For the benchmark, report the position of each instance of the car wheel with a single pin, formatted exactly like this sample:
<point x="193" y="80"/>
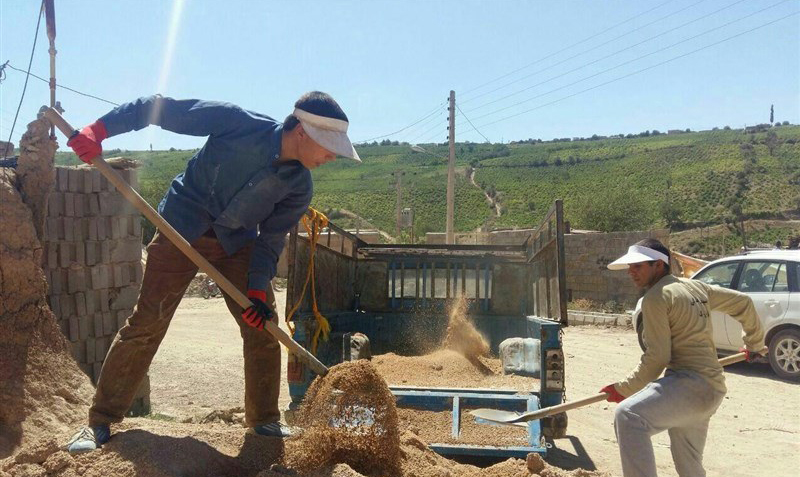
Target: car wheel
<point x="784" y="354"/>
<point x="639" y="331"/>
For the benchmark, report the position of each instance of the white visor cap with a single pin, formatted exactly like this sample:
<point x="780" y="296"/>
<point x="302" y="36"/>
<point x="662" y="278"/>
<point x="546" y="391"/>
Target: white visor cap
<point x="330" y="133"/>
<point x="637" y="254"/>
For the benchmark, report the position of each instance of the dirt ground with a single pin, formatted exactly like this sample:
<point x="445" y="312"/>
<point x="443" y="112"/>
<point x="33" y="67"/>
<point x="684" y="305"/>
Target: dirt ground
<point x="199" y="368"/>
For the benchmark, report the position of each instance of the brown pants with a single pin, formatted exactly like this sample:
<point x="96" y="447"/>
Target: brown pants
<point x="166" y="277"/>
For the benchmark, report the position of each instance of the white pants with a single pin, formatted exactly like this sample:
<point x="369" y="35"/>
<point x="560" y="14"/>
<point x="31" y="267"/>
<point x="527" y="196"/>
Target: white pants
<point x="682" y="403"/>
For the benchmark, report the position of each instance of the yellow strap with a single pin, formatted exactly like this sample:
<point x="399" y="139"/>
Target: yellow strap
<point x="313" y="222"/>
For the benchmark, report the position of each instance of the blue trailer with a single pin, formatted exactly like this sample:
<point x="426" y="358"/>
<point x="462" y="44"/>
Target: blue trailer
<point x="397" y="295"/>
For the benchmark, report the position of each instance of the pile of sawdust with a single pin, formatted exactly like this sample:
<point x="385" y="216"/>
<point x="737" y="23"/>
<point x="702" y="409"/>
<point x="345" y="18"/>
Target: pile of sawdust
<point x="349" y="417"/>
<point x="448" y="368"/>
<point x="42" y="390"/>
<point x="461" y="333"/>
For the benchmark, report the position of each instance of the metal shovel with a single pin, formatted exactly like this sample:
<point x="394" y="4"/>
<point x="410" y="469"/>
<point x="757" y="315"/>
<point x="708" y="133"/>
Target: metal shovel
<point x="507" y="417"/>
<point x="129" y="193"/>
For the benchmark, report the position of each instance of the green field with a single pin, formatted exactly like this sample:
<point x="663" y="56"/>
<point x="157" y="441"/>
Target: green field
<point x="609" y="184"/>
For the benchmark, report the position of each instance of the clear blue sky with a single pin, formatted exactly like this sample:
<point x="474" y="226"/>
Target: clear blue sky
<point x="389" y="63"/>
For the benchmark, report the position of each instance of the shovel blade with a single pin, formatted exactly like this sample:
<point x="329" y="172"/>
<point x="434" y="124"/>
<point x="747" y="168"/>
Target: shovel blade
<point x="494" y="415"/>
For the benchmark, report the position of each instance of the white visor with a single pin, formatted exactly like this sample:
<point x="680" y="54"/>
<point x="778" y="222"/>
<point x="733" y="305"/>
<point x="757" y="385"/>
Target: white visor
<point x="637" y="254"/>
<point x="329" y="133"/>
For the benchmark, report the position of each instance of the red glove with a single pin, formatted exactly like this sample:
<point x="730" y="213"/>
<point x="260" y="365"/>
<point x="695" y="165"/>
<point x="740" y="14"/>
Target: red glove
<point x="750" y="356"/>
<point x="86" y="143"/>
<point x="613" y="394"/>
<point x="257" y="314"/>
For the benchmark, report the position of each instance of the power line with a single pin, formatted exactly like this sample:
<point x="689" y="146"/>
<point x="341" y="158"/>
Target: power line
<point x="643" y="69"/>
<point x="64" y="87"/>
<point x="603" y="58"/>
<point x="423" y="133"/>
<point x="428" y="138"/>
<point x="24" y="88"/>
<point x="403" y="129"/>
<point x="424" y="125"/>
<point x="631" y="61"/>
<point x="565" y="49"/>
<point x="585" y="51"/>
<point x="470" y="123"/>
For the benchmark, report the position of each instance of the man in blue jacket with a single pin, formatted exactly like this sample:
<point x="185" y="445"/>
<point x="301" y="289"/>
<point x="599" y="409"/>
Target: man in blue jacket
<point x="238" y="197"/>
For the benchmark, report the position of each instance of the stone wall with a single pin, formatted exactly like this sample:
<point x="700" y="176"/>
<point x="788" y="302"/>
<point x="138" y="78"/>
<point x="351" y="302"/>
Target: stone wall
<point x="587" y="255"/>
<point x="93" y="262"/>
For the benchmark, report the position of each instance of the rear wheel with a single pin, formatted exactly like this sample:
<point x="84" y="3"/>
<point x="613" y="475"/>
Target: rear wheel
<point x="784" y="354"/>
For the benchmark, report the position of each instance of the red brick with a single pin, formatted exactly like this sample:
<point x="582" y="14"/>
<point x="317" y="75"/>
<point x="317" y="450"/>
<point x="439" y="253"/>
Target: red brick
<point x="90" y="253"/>
<point x="91" y="302"/>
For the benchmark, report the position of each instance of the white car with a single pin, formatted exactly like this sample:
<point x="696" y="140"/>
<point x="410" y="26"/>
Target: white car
<point x="772" y="279"/>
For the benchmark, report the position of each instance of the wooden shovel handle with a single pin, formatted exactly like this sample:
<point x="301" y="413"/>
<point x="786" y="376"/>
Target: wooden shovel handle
<point x="165" y="228"/>
<point x="568" y="406"/>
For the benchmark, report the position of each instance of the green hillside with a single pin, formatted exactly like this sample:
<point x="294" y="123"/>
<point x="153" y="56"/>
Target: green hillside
<point x="636" y="182"/>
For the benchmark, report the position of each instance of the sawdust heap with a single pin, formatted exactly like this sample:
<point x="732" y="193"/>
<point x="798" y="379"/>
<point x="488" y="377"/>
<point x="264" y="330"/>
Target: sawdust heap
<point x="42" y="390"/>
<point x="350" y="418"/>
<point x="461" y="333"/>
<point x="449" y="368"/>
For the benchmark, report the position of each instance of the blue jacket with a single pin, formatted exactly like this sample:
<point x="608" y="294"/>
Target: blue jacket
<point x="234" y="183"/>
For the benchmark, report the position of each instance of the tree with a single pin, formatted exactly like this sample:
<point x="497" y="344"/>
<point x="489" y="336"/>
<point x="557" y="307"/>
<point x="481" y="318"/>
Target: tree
<point x="772" y="142"/>
<point x="613" y="211"/>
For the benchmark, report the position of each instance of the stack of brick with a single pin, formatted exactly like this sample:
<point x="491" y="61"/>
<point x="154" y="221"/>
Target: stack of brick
<point x="93" y="261"/>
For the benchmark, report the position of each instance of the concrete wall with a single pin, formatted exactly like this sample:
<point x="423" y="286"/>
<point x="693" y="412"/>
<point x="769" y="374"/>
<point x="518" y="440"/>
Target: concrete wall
<point x="93" y="263"/>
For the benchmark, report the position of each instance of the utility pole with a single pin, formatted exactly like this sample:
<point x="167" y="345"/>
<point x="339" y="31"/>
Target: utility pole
<point x="451" y="171"/>
<point x="399" y="188"/>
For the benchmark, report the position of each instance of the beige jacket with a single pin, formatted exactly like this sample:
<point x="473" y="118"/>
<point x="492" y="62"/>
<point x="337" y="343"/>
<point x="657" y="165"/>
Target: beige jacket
<point x="677" y="330"/>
